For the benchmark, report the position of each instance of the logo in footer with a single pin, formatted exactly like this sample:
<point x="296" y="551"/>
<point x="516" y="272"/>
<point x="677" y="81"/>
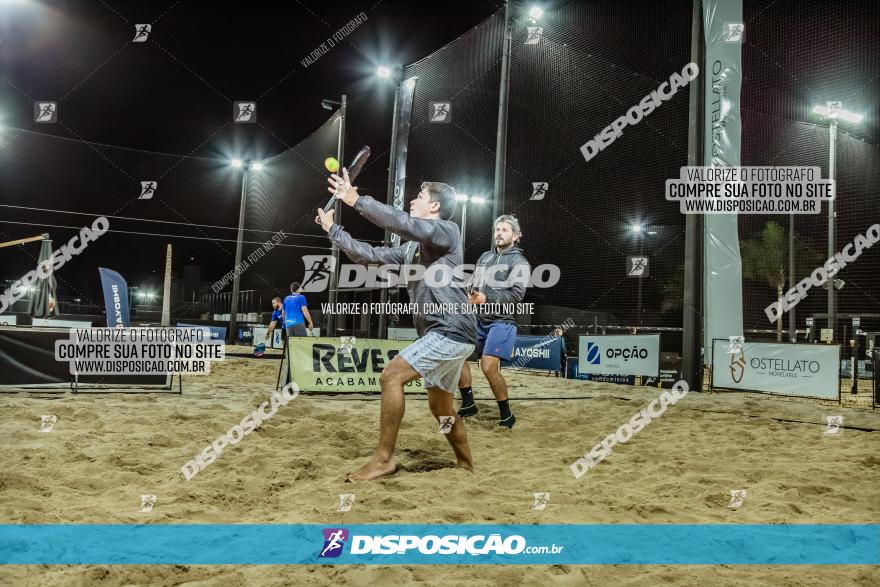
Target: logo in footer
<point x="334" y="540"/>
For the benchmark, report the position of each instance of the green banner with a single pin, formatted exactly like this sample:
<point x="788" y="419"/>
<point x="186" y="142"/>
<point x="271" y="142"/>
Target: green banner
<point x="343" y="364"/>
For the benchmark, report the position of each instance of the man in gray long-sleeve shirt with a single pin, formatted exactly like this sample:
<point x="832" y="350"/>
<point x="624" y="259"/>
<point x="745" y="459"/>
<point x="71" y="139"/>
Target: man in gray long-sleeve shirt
<point x="501" y="277"/>
<point x="446" y="339"/>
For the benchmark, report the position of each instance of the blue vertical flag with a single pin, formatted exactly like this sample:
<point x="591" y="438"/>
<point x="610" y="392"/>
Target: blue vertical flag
<point x="115" y="298"/>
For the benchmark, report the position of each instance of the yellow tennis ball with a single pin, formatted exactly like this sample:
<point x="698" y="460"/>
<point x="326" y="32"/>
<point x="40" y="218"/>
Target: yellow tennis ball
<point x="331" y="164"/>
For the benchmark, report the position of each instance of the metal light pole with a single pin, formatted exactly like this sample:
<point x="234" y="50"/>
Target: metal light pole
<point x="463" y="222"/>
<point x="833" y="111"/>
<point x="337" y="217"/>
<point x="641" y="254"/>
<point x="233" y="310"/>
<point x="792" y="323"/>
<point x="832" y="175"/>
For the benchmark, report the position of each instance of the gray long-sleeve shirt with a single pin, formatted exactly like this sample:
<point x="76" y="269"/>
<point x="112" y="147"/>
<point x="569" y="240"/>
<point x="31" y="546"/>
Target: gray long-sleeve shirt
<point x="503" y="278"/>
<point x="429" y="242"/>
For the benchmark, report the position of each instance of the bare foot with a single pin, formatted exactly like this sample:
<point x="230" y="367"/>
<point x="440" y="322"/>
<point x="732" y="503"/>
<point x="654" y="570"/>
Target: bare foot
<point x="373" y="470"/>
<point x="466" y="464"/>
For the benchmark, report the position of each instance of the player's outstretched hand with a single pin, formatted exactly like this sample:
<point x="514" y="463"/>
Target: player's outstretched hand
<point x="341" y="187"/>
<point x="325" y="219"/>
<point x="477" y="297"/>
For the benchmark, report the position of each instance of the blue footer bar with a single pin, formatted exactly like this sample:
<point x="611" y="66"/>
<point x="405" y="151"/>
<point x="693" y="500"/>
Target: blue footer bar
<point x="585" y="544"/>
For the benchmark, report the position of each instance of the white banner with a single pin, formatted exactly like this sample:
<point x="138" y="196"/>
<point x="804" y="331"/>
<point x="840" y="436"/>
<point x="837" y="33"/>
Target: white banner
<point x="725" y="32"/>
<point x="8" y="320"/>
<point x="53" y="323"/>
<point x="627" y="354"/>
<point x="260" y="336"/>
<point x="402" y="333"/>
<point x="808" y="370"/>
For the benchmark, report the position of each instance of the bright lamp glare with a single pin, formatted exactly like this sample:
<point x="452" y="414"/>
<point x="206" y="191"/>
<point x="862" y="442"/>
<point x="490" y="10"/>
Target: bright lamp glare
<point x="236" y="162"/>
<point x="637" y="228"/>
<point x="536" y="13"/>
<point x="461" y="198"/>
<point x="841" y="114"/>
<point x="257" y="166"/>
<point x="478" y="200"/>
<point x="383" y="72"/>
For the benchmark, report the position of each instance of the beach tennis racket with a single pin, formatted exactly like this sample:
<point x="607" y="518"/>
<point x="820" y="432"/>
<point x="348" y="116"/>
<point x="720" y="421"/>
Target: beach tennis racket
<point x="357" y="164"/>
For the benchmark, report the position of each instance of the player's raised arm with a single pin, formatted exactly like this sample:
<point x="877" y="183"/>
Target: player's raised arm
<point x="435" y="201"/>
<point x="357" y="251"/>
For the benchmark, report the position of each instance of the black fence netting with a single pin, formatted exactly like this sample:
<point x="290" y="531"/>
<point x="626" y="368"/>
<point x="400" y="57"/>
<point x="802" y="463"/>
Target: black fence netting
<point x="573" y="72"/>
<point x="799" y="55"/>
<point x="454" y="121"/>
<point x="283" y="196"/>
<point x="55" y="185"/>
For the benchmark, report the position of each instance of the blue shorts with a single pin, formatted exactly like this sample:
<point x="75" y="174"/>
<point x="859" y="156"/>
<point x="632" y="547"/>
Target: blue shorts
<point x="496" y="340"/>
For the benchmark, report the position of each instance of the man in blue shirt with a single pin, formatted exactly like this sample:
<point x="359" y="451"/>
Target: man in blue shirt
<point x="294" y="312"/>
<point x="275" y="321"/>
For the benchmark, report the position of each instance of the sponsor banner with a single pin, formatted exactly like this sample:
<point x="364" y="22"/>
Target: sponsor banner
<point x="792" y="369"/>
<point x="8" y="320"/>
<point x="423" y="544"/>
<point x="725" y="32"/>
<point x="572" y="372"/>
<point x="666" y="379"/>
<point x="326" y="364"/>
<point x="276" y="342"/>
<point x="54" y="323"/>
<point x="115" y="298"/>
<point x="402" y="333"/>
<point x="217" y="332"/>
<point x="866" y="368"/>
<point x="536" y="352"/>
<point x="625" y="354"/>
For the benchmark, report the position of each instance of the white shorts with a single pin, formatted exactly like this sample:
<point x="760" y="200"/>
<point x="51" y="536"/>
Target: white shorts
<point x="438" y="360"/>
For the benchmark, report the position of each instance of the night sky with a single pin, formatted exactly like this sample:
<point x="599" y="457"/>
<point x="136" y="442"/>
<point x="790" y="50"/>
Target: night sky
<point x="173" y="94"/>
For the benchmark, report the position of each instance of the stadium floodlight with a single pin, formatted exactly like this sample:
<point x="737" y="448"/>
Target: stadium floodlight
<point x="383" y="72"/>
<point x="637" y="228"/>
<point x="256" y="166"/>
<point x="833" y="111"/>
<point x="236" y="162"/>
<point x="838" y="113"/>
<point x="464" y="207"/>
<point x="536" y="12"/>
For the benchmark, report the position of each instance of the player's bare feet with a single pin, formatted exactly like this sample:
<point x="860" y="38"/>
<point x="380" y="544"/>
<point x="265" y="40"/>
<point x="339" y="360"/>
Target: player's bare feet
<point x="374" y="469"/>
<point x="465" y="463"/>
